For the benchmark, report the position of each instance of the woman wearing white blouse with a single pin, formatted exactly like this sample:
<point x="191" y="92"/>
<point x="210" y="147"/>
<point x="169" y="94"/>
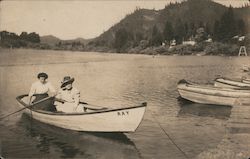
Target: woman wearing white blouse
<point x="69" y="97"/>
<point x="40" y="90"/>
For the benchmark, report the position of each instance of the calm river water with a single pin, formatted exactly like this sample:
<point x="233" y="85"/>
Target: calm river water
<point x="172" y="128"/>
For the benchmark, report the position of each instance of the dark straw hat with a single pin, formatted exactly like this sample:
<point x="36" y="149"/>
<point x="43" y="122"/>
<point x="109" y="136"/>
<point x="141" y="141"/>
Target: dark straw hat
<point x="42" y="74"/>
<point x="67" y="80"/>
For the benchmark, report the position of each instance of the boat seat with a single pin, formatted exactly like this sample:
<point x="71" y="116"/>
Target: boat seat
<point x="90" y="107"/>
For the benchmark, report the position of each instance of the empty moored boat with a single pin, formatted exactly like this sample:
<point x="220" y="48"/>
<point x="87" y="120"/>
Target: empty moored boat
<point x="208" y="94"/>
<point x="97" y="120"/>
<point x="231" y="83"/>
<point x="246" y="80"/>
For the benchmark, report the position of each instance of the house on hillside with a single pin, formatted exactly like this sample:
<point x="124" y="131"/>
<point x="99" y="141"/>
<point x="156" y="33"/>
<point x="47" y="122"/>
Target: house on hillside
<point x="172" y="43"/>
<point x="189" y="42"/>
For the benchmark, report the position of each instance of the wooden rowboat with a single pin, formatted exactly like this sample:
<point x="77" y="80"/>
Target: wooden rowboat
<point x="246" y="80"/>
<point x="208" y="94"/>
<point x="231" y="83"/>
<point x="98" y="120"/>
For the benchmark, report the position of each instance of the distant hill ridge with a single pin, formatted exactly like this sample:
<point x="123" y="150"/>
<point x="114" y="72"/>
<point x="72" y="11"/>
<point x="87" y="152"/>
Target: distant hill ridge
<point x="52" y="40"/>
<point x="49" y="39"/>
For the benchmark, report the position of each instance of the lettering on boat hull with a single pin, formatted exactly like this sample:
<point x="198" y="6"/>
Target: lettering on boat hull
<point x="122" y="113"/>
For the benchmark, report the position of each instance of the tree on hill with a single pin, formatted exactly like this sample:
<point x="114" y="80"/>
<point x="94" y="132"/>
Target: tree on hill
<point x="179" y="31"/>
<point x="241" y="27"/>
<point x="186" y="30"/>
<point x="121" y="39"/>
<point x="32" y="37"/>
<point x="10" y="40"/>
<point x="207" y="29"/>
<point x="168" y="32"/>
<point x="24" y="36"/>
<point x="138" y="36"/>
<point x="216" y="30"/>
<point x="227" y="27"/>
<point x="8" y="36"/>
<point x="156" y="37"/>
<point x="191" y="30"/>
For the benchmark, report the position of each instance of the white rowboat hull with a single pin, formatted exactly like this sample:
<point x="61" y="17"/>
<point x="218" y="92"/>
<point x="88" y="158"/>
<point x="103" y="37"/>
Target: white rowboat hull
<point x="111" y="120"/>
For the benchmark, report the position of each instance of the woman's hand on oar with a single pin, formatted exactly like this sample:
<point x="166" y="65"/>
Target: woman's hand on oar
<point x="26" y="107"/>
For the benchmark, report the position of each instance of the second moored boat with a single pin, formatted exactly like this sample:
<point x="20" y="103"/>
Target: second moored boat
<point x="232" y="83"/>
<point x="208" y="94"/>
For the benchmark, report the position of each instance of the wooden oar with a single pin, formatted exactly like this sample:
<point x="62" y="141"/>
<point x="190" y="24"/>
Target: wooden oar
<point x="26" y="107"/>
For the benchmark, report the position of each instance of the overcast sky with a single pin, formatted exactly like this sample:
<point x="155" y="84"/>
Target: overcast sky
<point x="72" y="19"/>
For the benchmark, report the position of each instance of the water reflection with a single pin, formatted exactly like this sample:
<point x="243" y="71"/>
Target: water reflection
<point x="72" y="144"/>
<point x="204" y="110"/>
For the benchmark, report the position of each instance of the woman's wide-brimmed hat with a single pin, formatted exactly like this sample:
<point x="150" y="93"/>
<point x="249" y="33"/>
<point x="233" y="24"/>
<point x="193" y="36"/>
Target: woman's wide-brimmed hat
<point x="67" y="80"/>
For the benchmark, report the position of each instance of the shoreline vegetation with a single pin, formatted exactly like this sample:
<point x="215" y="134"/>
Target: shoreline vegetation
<point x="219" y="49"/>
<point x="174" y="30"/>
